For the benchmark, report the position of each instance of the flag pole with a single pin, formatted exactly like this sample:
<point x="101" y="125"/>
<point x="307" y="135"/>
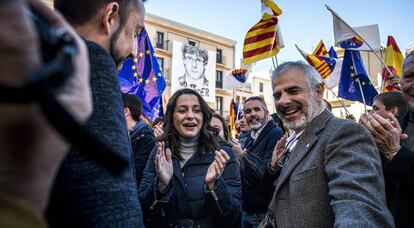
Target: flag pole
<point x="340" y="101"/>
<point x="274" y="64"/>
<point x="353" y="30"/>
<point x="363" y="96"/>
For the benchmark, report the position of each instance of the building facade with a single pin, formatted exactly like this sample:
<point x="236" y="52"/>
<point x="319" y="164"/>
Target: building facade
<point x="166" y="34"/>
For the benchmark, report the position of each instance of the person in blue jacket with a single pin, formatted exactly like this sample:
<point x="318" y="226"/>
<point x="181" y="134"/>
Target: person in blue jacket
<point x="189" y="178"/>
<point x="141" y="134"/>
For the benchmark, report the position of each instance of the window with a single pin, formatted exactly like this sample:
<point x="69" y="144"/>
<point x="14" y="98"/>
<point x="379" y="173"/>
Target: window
<point x="219" y="56"/>
<point x="219" y="79"/>
<point x="160" y="40"/>
<point x="244" y="100"/>
<point x="261" y="87"/>
<point x="238" y="99"/>
<point x="161" y="62"/>
<point x="219" y="105"/>
<point x="192" y="43"/>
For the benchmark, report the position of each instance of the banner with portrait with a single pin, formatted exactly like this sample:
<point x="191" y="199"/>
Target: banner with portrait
<point x="193" y="68"/>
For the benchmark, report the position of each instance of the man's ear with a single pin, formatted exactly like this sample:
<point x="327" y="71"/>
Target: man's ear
<point x="111" y="17"/>
<point x="319" y="91"/>
<point x="126" y="111"/>
<point x="394" y="111"/>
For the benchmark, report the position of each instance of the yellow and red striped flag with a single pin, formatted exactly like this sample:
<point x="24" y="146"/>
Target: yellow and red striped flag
<point x="144" y="117"/>
<point x="328" y="67"/>
<point x="394" y="60"/>
<point x="321" y="50"/>
<point x="233" y="117"/>
<point x="263" y="40"/>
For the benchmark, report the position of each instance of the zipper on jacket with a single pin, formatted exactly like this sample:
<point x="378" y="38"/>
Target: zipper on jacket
<point x="213" y="193"/>
<point x="155" y="202"/>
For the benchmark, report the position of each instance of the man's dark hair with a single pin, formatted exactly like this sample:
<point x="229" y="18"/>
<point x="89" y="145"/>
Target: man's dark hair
<point x="78" y="12"/>
<point x="391" y="100"/>
<point x="257" y="98"/>
<point x="190" y="49"/>
<point x="226" y="130"/>
<point x="278" y="122"/>
<point x="134" y="104"/>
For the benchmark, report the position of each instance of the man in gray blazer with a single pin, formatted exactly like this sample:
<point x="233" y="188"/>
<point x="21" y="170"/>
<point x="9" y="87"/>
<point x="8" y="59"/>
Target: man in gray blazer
<point x="328" y="170"/>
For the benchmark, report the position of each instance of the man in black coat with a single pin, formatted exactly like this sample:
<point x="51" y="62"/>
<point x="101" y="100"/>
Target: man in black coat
<point x="395" y="140"/>
<point x="253" y="158"/>
<point x="86" y="194"/>
<point x="141" y="133"/>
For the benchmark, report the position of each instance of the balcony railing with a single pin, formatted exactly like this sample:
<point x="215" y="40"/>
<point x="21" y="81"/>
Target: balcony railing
<point x="161" y="45"/>
<point x="219" y="84"/>
<point x="221" y="60"/>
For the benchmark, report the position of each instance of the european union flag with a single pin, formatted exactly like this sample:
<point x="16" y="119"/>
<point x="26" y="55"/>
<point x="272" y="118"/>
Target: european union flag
<point x="142" y="76"/>
<point x="332" y="53"/>
<point x="353" y="72"/>
<point x="354" y="42"/>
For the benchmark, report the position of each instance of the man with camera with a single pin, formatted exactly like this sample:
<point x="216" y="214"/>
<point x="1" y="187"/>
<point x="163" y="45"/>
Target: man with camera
<point x="31" y="148"/>
<point x="86" y="194"/>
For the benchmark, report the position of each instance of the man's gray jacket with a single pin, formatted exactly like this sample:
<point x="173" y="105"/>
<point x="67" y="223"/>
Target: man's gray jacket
<point x="333" y="178"/>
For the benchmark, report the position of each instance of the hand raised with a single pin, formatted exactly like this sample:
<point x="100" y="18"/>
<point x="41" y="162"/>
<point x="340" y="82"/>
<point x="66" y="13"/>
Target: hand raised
<point x="216" y="168"/>
<point x="387" y="133"/>
<point x="158" y="131"/>
<point x="279" y="151"/>
<point x="236" y="147"/>
<point x="163" y="165"/>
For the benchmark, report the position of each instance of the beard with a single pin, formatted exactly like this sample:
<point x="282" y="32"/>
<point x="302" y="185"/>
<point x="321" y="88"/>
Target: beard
<point x="307" y="111"/>
<point x="256" y="126"/>
<point x="112" y="48"/>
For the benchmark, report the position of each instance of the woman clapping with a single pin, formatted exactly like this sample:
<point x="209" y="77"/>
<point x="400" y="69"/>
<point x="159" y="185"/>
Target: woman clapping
<point x="188" y="178"/>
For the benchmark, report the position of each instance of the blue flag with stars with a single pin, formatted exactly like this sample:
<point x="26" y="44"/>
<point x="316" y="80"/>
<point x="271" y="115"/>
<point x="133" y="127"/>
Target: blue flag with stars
<point x="143" y="77"/>
<point x="353" y="72"/>
<point x="332" y="53"/>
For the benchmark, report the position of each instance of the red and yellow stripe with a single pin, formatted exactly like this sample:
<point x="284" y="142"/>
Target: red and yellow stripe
<point x="261" y="40"/>
<point x="321" y="66"/>
<point x="394" y="60"/>
<point x="233" y="117"/>
<point x="321" y="50"/>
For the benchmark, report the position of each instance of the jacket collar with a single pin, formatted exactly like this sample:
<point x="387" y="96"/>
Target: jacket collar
<point x="264" y="131"/>
<point x="403" y="119"/>
<point x="305" y="143"/>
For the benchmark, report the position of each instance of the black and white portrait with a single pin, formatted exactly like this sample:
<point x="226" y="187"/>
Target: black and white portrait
<point x="193" y="68"/>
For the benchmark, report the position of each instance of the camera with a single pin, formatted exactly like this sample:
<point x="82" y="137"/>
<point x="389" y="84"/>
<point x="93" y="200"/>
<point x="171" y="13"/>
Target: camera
<point x="58" y="49"/>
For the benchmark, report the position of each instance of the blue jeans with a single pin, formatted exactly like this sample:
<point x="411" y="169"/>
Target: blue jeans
<point x="252" y="220"/>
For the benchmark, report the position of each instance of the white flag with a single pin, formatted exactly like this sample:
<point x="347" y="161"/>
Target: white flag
<point x="369" y="33"/>
<point x="236" y="78"/>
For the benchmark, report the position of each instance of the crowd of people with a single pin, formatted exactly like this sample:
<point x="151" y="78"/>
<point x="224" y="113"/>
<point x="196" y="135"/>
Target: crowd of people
<point x="298" y="167"/>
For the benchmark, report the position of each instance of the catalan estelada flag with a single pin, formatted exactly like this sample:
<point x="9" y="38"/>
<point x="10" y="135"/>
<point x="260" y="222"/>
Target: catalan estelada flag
<point x="328" y="67"/>
<point x="321" y="50"/>
<point x="263" y="40"/>
<point x="394" y="60"/>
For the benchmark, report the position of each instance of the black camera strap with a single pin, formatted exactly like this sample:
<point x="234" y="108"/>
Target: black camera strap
<point x="41" y="89"/>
